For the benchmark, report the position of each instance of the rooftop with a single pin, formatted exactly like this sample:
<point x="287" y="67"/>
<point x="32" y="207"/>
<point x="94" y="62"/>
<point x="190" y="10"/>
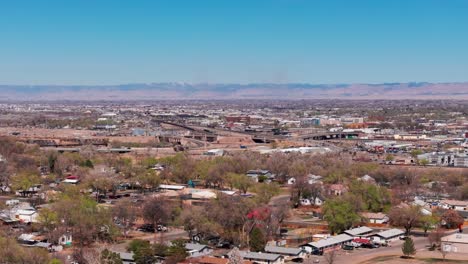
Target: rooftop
<point x="260" y="256"/>
<point x="283" y="250"/>
<point x="455" y="202"/>
<point x="331" y="241"/>
<point x="193" y="246"/>
<point x="456" y="238"/>
<point x="390" y="233"/>
<point x="358" y="231"/>
<point x="370" y="215"/>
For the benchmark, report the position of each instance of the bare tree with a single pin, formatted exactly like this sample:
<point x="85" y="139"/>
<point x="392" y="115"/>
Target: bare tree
<point x="156" y="211"/>
<point x="435" y="237"/>
<point x="330" y="257"/>
<point x="444" y="250"/>
<point x="406" y="216"/>
<point x="125" y="213"/>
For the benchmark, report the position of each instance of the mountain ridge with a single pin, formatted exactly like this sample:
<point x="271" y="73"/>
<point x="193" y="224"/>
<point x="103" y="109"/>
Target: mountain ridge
<point x="226" y="91"/>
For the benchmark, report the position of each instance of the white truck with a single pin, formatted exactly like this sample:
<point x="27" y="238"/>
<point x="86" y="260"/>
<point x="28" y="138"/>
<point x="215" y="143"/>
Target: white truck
<point x="379" y="241"/>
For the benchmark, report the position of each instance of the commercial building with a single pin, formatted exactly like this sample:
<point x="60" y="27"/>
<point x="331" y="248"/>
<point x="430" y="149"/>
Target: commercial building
<point x="455" y="243"/>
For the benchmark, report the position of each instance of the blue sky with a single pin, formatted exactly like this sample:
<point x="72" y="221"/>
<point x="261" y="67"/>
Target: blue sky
<point x="238" y="41"/>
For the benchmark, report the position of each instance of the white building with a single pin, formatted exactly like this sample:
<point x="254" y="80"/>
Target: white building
<point x="454" y="204"/>
<point x="197" y="250"/>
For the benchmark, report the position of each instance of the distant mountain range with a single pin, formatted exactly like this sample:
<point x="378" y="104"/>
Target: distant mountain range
<point x="183" y="91"/>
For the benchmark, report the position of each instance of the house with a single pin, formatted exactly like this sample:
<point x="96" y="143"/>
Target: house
<point x="202" y="194"/>
<point x="26" y="214"/>
<point x="263" y="258"/>
<point x="45" y="245"/>
<point x="214" y="152"/>
<point x="197" y="250"/>
<point x="311" y="179"/>
<point x="39" y="240"/>
<point x="367" y="179"/>
<point x="72" y="180"/>
<point x="336" y="189"/>
<point x="314" y="179"/>
<point x="454" y="204"/>
<point x="6" y="219"/>
<point x="127" y="258"/>
<point x="328" y="244"/>
<point x="287" y="253"/>
<point x="28" y="239"/>
<point x="424" y="206"/>
<point x="359" y="231"/>
<point x="170" y="187"/>
<point x="376" y="218"/>
<point x="65" y="239"/>
<point x="455" y="243"/>
<point x="32" y="190"/>
<point x="391" y="234"/>
<point x="307" y="202"/>
<point x="261" y="175"/>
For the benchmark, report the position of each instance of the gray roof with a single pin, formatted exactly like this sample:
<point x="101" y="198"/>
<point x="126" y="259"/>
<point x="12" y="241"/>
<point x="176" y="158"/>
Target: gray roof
<point x="331" y="241"/>
<point x="358" y="231"/>
<point x="283" y="250"/>
<point x="390" y="233"/>
<point x="193" y="246"/>
<point x="260" y="256"/>
<point x="42" y="244"/>
<point x="126" y="256"/>
<point x="456" y="238"/>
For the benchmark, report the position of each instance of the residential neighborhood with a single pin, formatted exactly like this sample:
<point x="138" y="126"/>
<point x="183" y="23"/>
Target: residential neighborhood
<point x="199" y="184"/>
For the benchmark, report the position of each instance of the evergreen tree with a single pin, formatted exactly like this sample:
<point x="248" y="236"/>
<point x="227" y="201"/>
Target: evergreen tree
<point x="109" y="257"/>
<point x="88" y="163"/>
<point x="257" y="240"/>
<point x="408" y="247"/>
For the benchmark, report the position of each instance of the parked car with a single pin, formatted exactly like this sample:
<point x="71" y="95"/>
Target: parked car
<point x="347" y="247"/>
<point x="297" y="260"/>
<point x="370" y="245"/>
<point x="149" y="228"/>
<point x="161" y="228"/>
<point x="403" y="237"/>
<point x="224" y="244"/>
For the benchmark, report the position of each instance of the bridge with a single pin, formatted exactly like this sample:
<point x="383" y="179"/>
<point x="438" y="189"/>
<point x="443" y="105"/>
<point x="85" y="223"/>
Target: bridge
<point x="66" y="142"/>
<point x="330" y="136"/>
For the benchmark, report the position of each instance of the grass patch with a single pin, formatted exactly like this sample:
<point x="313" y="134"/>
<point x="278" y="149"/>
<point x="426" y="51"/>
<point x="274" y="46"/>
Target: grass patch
<point x="381" y="259"/>
<point x="439" y="260"/>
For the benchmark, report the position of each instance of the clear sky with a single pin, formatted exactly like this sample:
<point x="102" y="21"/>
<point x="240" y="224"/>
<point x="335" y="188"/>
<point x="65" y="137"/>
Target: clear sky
<point x="237" y="41"/>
